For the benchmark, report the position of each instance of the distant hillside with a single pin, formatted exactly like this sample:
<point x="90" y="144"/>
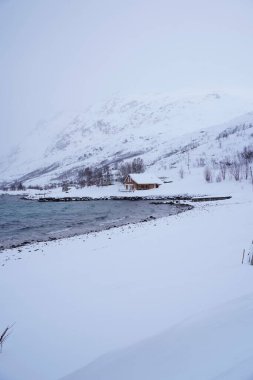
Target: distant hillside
<point x="167" y="133"/>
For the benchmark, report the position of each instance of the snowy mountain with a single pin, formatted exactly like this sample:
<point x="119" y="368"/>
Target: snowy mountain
<point x="166" y="132"/>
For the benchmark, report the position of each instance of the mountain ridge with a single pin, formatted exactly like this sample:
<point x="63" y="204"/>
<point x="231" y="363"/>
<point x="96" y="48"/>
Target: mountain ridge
<point x="120" y="129"/>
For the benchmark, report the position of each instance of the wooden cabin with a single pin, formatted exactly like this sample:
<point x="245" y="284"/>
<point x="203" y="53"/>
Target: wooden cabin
<point x="141" y="181"/>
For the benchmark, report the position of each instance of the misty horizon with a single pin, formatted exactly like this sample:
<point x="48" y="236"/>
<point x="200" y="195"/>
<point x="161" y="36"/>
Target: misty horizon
<point x="60" y="56"/>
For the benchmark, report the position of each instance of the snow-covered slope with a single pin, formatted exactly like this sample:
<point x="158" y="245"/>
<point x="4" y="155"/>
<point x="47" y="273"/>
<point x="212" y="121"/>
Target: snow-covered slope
<point x="154" y="127"/>
<point x="215" y="345"/>
<point x="177" y="279"/>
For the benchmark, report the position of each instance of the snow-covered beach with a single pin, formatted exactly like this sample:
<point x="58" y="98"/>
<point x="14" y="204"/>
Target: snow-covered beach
<point x="76" y="299"/>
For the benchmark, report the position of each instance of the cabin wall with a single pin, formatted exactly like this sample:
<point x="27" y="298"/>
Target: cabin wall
<point x="146" y="187"/>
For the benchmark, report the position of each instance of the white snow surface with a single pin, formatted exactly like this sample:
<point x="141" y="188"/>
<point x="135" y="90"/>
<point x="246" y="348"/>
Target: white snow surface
<point x="167" y="299"/>
<point x="216" y="344"/>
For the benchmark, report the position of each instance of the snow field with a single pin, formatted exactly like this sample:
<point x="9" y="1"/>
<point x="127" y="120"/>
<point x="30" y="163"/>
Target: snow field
<point x="76" y="299"/>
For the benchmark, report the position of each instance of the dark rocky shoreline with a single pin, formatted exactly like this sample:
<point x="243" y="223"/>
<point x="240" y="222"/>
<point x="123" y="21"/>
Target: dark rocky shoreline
<point x="147" y="198"/>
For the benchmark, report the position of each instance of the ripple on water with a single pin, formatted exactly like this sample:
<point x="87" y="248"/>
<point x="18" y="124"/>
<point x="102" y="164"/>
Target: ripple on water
<point x="23" y="221"/>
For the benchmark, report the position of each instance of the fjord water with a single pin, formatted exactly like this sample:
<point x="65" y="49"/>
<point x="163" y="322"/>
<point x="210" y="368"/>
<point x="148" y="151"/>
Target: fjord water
<point x="26" y="221"/>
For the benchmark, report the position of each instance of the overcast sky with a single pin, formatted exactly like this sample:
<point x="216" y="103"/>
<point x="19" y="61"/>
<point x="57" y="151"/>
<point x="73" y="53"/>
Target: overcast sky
<point x="65" y="54"/>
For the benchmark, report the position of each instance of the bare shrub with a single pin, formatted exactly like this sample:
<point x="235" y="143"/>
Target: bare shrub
<point x="98" y="176"/>
<point x="138" y="165"/>
<point x="246" y="157"/>
<point x="4" y="335"/>
<point x="208" y="174"/>
<point x="214" y="163"/>
<point x="200" y="162"/>
<point x="17" y="186"/>
<point x="35" y="187"/>
<point x="234" y="130"/>
<point x="188" y="161"/>
<point x="65" y="187"/>
<point x="235" y="170"/>
<point x="218" y="178"/>
<point x="223" y="170"/>
<point x="135" y="166"/>
<point x="251" y="175"/>
<point x="181" y="173"/>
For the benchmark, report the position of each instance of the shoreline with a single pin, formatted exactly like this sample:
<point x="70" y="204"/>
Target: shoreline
<point x="180" y="209"/>
<point x="172" y="199"/>
<point x="156" y="200"/>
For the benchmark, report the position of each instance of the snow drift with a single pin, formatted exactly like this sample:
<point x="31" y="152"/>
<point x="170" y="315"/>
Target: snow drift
<point x="215" y="345"/>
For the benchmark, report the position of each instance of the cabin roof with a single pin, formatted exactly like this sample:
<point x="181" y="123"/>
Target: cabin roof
<point x="145" y="179"/>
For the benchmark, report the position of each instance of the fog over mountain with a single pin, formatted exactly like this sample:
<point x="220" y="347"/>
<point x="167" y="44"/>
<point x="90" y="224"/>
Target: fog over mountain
<point x="160" y="129"/>
<point x="61" y="56"/>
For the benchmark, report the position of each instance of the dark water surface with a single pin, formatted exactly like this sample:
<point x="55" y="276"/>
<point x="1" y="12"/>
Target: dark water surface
<point x="25" y="221"/>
